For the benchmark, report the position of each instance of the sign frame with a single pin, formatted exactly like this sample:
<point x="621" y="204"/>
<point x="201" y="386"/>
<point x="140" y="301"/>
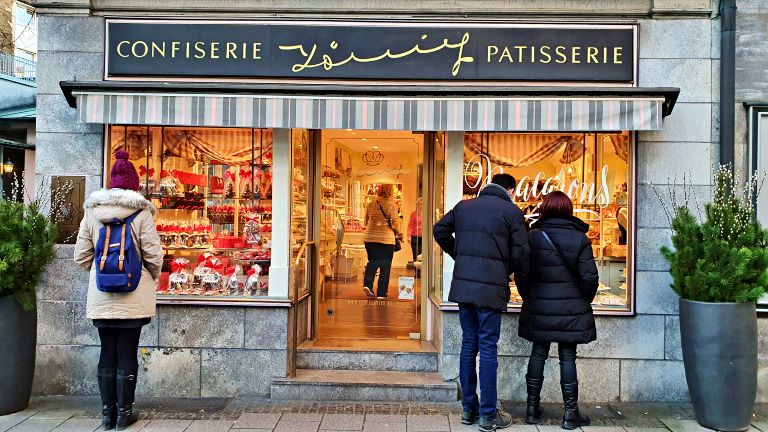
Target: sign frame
<point x="634" y="27"/>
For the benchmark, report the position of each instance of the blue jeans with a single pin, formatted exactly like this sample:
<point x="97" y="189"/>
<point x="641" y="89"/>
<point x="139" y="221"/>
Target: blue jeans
<point x="480" y="333"/>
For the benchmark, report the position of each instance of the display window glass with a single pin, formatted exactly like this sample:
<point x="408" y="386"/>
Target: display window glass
<point x="592" y="169"/>
<point x="213" y="191"/>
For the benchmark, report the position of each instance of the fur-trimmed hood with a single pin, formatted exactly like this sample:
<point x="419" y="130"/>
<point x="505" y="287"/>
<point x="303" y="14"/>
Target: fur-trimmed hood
<point x="107" y="204"/>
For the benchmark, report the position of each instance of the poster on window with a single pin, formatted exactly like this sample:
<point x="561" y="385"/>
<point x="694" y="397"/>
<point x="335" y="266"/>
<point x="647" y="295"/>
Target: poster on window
<point x="405" y="288"/>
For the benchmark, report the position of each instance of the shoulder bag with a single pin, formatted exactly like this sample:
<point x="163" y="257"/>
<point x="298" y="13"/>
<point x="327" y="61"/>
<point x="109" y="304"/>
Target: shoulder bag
<point x="398" y="245"/>
<point x="573" y="273"/>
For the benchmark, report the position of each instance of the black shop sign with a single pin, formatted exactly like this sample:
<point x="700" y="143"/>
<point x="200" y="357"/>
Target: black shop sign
<point x="371" y="51"/>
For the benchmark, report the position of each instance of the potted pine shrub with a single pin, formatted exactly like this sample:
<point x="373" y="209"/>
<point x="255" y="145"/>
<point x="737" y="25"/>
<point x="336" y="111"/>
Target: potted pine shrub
<point x="719" y="269"/>
<point x="27" y="245"/>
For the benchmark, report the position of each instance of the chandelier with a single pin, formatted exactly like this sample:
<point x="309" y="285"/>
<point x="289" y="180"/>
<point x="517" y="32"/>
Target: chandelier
<point x="373" y="157"/>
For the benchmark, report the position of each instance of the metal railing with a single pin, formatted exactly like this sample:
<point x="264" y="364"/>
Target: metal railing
<point x="18" y="67"/>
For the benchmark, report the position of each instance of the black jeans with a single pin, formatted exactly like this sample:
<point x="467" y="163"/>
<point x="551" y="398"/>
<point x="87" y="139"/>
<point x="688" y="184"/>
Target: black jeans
<point x="379" y="258"/>
<point x="539" y="355"/>
<point x="119" y="348"/>
<point x="415" y="246"/>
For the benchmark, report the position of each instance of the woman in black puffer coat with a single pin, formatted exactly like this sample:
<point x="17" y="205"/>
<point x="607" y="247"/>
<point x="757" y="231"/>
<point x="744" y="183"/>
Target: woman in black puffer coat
<point x="557" y="299"/>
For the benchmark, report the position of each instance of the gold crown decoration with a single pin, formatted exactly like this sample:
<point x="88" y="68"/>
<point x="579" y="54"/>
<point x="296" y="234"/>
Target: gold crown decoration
<point x="373" y="157"/>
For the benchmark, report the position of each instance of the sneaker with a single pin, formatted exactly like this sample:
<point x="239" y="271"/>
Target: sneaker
<point x="368" y="292"/>
<point x="469" y="418"/>
<point x="501" y="421"/>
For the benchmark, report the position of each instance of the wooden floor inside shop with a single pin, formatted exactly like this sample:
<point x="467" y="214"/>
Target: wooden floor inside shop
<point x="348" y="319"/>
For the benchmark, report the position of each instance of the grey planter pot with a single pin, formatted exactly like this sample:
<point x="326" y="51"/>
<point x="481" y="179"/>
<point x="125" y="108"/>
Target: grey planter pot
<point x="18" y="336"/>
<point x="719" y="342"/>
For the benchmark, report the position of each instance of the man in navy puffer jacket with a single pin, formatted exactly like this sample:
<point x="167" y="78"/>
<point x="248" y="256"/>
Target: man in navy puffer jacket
<point x="487" y="239"/>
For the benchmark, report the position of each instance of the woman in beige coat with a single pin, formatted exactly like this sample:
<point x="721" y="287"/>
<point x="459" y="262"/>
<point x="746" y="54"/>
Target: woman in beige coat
<point x="382" y="227"/>
<point x="119" y="317"/>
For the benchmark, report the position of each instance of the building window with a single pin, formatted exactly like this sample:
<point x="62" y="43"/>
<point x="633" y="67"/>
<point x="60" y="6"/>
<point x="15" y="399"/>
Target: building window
<point x="758" y="137"/>
<point x="592" y="168"/>
<point x="25" y="32"/>
<point x="213" y="191"/>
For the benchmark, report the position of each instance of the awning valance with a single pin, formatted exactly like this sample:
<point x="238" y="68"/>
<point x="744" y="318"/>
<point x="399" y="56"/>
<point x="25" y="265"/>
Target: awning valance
<point x="547" y="110"/>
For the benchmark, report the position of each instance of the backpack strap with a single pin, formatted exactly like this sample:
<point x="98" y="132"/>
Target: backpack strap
<point x="127" y="221"/>
<point x="549" y="241"/>
<point x="122" y="249"/>
<point x="106" y="248"/>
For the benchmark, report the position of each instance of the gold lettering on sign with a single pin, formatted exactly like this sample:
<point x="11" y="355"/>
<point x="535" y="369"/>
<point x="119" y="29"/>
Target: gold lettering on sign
<point x="174" y="48"/>
<point x="545" y="53"/>
<point x="231" y="47"/>
<point x="160" y="49"/>
<point x="520" y="49"/>
<point x="575" y="54"/>
<point x="617" y="55"/>
<point x="506" y="54"/>
<point x="492" y="51"/>
<point x="139" y="43"/>
<point x="119" y="47"/>
<point x="214" y="50"/>
<point x="329" y="63"/>
<point x="200" y="51"/>
<point x="560" y="52"/>
<point x="592" y="55"/>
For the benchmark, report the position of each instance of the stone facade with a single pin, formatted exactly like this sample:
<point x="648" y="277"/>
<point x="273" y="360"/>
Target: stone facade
<point x="218" y="351"/>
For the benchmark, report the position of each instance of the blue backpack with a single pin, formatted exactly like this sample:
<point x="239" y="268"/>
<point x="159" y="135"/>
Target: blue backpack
<point x="118" y="265"/>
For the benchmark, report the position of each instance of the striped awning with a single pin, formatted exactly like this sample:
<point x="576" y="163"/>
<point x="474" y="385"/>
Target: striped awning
<point x="432" y="113"/>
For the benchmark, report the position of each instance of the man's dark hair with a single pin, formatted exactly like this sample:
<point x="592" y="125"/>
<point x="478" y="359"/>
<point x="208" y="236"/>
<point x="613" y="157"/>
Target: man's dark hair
<point x="504" y="180"/>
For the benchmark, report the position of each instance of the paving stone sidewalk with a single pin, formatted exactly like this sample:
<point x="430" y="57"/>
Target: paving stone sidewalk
<point x="262" y="415"/>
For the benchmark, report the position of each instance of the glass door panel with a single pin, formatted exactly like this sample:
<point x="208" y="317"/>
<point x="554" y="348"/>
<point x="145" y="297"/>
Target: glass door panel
<point x="371" y="187"/>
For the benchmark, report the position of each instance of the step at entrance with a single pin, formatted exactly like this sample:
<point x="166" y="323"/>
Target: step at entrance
<point x="316" y="359"/>
<point x="364" y="385"/>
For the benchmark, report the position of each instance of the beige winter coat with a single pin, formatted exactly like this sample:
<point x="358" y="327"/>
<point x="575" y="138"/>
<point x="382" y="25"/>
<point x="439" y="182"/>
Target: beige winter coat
<point x="377" y="229"/>
<point x="104" y="205"/>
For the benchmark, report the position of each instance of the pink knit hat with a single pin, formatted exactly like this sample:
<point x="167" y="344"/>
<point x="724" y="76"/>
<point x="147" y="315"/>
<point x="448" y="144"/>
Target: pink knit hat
<point x="123" y="174"/>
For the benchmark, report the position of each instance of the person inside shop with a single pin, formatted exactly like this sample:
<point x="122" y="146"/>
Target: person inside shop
<point x="414" y="229"/>
<point x="486" y="237"/>
<point x="382" y="234"/>
<point x="557" y="297"/>
<point x="119" y="316"/>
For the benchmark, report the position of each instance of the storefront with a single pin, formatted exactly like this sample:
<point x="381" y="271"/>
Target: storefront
<point x="265" y="144"/>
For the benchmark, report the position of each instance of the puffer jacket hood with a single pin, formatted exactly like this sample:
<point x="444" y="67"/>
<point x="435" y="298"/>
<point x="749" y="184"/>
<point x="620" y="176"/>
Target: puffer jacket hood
<point x="558" y="293"/>
<point x="103" y="206"/>
<point x="108" y="204"/>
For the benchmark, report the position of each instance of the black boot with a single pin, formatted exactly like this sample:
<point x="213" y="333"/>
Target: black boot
<point x="108" y="391"/>
<point x="534" y="412"/>
<point x="572" y="418"/>
<point x="126" y="389"/>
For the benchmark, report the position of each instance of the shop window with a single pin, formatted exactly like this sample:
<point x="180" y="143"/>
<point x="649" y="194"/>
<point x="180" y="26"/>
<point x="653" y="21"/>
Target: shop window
<point x="213" y="191"/>
<point x="592" y="169"/>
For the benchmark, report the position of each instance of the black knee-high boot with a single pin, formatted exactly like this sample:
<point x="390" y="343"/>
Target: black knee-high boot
<point x="126" y="391"/>
<point x="572" y="418"/>
<point x="108" y="391"/>
<point x="534" y="412"/>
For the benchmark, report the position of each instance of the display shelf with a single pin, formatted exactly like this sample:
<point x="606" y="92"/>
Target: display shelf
<point x="187" y="248"/>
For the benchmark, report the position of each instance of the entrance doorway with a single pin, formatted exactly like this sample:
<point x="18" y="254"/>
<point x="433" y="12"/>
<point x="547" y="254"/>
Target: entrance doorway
<point x="370" y="187"/>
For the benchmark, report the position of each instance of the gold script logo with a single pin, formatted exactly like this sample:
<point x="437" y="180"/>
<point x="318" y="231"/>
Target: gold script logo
<point x="328" y="62"/>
